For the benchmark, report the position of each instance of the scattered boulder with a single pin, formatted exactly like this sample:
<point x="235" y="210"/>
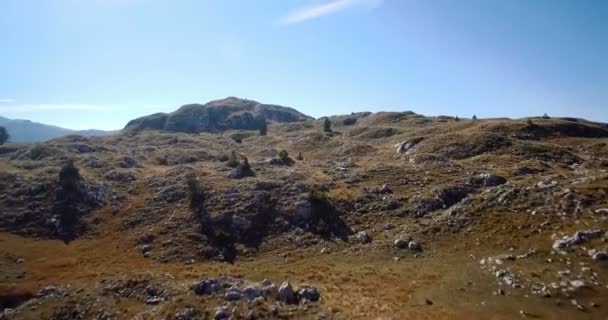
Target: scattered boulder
<point x="415" y="246"/>
<point x="128" y="162"/>
<point x="208" y="286"/>
<point x="578" y="238"/>
<point x="233" y="294"/>
<point x="308" y="294"/>
<point x="363" y="237"/>
<point x="487" y="180"/>
<point x="252" y="292"/>
<point x="222" y="312"/>
<point x="546" y="184"/>
<point x="286" y="293"/>
<point x="406" y="147"/>
<point x="400" y="243"/>
<point x="600" y="256"/>
<point x="385" y="189"/>
<point x="602" y="211"/>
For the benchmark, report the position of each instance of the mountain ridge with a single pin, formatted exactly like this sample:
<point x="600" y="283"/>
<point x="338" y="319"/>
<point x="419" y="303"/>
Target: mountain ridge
<point x="21" y="130"/>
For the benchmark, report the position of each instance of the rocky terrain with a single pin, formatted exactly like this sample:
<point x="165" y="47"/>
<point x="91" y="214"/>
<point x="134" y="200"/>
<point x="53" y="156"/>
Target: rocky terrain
<point x="202" y="214"/>
<point x="217" y="116"/>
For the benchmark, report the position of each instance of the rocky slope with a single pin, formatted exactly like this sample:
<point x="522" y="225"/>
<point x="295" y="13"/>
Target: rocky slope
<point x="387" y="215"/>
<point x="217" y="116"/>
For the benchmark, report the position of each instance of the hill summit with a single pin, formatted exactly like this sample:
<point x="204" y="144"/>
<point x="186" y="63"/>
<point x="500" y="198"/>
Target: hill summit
<point x="217" y="116"/>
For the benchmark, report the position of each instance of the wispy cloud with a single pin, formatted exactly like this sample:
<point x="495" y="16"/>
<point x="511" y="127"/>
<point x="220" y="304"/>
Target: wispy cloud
<point x="6" y="100"/>
<point x="53" y="107"/>
<point x="331" y="7"/>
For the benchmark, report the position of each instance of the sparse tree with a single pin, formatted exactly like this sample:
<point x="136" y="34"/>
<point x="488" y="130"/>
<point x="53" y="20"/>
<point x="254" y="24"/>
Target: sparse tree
<point x="4" y="136"/>
<point x="546" y="116"/>
<point x="474" y="118"/>
<point x="264" y="128"/>
<point x="327" y="125"/>
<point x="456" y="118"/>
<point x="68" y="199"/>
<point x="70" y="180"/>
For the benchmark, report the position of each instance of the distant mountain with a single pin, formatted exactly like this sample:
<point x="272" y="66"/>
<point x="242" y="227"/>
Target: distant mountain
<point x="217" y="116"/>
<point x="28" y="131"/>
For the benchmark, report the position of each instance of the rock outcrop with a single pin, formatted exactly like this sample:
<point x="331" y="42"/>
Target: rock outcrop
<point x="217" y="116"/>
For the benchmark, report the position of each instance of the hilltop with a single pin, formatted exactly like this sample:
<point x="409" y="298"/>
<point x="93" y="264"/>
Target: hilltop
<point x="389" y="215"/>
<point x="218" y="116"/>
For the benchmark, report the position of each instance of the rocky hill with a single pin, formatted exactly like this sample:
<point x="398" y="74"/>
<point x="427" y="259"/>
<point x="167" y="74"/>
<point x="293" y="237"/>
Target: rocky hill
<point x="390" y="215"/>
<point x="218" y="116"/>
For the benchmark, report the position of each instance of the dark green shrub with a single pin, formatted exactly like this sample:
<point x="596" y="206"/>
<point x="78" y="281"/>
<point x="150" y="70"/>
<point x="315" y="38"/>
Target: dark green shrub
<point x="4" y="136"/>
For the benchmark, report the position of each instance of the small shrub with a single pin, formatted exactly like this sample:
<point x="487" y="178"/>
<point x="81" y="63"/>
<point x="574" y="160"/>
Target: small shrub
<point x="242" y="169"/>
<point x="233" y="160"/>
<point x="474" y="118"/>
<point x="317" y="196"/>
<point x="196" y="195"/>
<point x="327" y="125"/>
<point x="264" y="128"/>
<point x="284" y="156"/>
<point x="300" y="157"/>
<point x="41" y="151"/>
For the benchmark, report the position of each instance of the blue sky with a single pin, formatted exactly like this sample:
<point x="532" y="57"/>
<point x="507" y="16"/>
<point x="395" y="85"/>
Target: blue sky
<point x="99" y="63"/>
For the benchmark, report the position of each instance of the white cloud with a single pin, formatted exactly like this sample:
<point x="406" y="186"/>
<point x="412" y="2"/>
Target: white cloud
<point x="6" y="100"/>
<point x="309" y="13"/>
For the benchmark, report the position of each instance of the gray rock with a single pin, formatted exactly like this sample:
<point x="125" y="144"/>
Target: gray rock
<point x="407" y="147"/>
<point x="186" y="314"/>
<point x="385" y="189"/>
<point x="602" y="211"/>
<point x="415" y="246"/>
<point x="286" y="293"/>
<point x="308" y="293"/>
<point x="233" y="295"/>
<point x="401" y="244"/>
<point x="128" y="162"/>
<point x="268" y="289"/>
<point x="303" y="214"/>
<point x="578" y="238"/>
<point x="222" y="312"/>
<point x="363" y="237"/>
<point x="252" y="292"/>
<point x="208" y="286"/>
<point x="487" y="180"/>
<point x="600" y="256"/>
